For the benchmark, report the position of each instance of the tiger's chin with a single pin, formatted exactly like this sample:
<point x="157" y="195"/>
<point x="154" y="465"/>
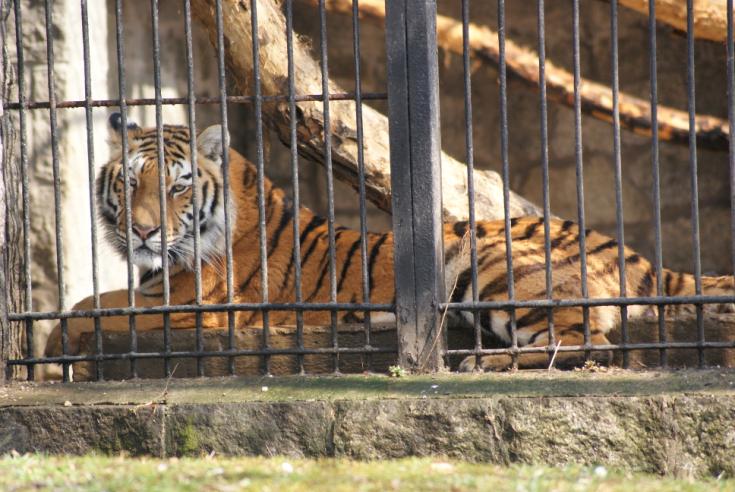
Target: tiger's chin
<point x="146" y="258"/>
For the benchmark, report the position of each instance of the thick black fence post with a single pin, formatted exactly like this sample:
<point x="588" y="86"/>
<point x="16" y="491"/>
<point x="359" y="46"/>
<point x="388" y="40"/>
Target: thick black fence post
<point x="4" y="324"/>
<point x="415" y="142"/>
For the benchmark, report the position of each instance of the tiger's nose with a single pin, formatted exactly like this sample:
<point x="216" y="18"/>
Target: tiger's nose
<point x="144" y="231"/>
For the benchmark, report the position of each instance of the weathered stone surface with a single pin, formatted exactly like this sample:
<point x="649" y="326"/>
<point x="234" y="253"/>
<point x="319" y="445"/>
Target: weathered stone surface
<point x="251" y="428"/>
<point x="79" y="430"/>
<point x="663" y="422"/>
<point x="671" y="434"/>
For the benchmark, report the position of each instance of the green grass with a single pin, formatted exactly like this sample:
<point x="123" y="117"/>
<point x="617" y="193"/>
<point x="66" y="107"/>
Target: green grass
<point x="37" y="472"/>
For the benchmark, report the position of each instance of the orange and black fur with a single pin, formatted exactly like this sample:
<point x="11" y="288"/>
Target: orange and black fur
<point x="527" y="246"/>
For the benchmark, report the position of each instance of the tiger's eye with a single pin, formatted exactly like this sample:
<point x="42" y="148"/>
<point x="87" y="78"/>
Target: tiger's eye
<point x="133" y="181"/>
<point x="177" y="188"/>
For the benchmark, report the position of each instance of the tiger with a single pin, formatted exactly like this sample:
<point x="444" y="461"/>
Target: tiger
<point x="527" y="234"/>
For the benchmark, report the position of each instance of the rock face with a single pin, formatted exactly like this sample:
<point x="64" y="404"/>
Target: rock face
<point x="667" y="422"/>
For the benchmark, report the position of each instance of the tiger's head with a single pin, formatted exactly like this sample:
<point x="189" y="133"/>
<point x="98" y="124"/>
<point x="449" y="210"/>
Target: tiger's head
<point x="145" y="209"/>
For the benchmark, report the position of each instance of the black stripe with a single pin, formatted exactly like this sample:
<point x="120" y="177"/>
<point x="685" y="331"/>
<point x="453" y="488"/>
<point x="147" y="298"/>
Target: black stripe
<point x="532" y="317"/>
<point x="311" y="249"/>
<point x="463" y="282"/>
<point x="679" y="283"/>
<point x="566" y="225"/>
<point x="149" y="275"/>
<point x="215" y="198"/>
<point x="205" y="193"/>
<point x="315" y="222"/>
<point x="322" y="274"/>
<point x="500" y="284"/>
<point x="287" y="276"/>
<point x="667" y="283"/>
<point x="486" y="321"/>
<point x="374" y="251"/>
<point x="646" y="285"/>
<point x="276" y="238"/>
<point x="460" y="228"/>
<point x="536" y="334"/>
<point x="451" y="252"/>
<point x="347" y="263"/>
<point x="269" y="206"/>
<point x="325" y="267"/>
<point x="530" y="231"/>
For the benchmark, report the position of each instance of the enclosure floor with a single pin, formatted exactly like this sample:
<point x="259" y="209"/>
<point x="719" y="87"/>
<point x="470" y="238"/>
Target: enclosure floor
<point x="658" y="421"/>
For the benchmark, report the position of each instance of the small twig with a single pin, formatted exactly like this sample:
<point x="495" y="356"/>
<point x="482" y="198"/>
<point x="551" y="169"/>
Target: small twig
<point x="462" y="248"/>
<point x="162" y="397"/>
<point x="168" y="380"/>
<point x="553" y="357"/>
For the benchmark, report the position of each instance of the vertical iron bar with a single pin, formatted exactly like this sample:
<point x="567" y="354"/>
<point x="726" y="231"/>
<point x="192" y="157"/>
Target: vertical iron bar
<point x="59" y="230"/>
<point x="545" y="158"/>
<point x="656" y="177"/>
<point x="361" y="176"/>
<point x="617" y="164"/>
<point x="295" y="183"/>
<point x="261" y="177"/>
<point x="731" y="119"/>
<point x="162" y="186"/>
<point x="691" y="106"/>
<point x="195" y="198"/>
<point x="222" y="78"/>
<point x="470" y="159"/>
<point x="92" y="198"/>
<point x="324" y="58"/>
<point x="579" y="163"/>
<point x="126" y="180"/>
<point x="502" y="76"/>
<point x="25" y="185"/>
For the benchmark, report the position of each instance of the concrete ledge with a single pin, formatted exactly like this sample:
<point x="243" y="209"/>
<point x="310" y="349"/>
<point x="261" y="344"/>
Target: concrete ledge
<point x="663" y="422"/>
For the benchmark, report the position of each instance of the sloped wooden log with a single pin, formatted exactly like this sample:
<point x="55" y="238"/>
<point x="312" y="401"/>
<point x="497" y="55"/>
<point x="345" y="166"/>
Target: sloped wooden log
<point x="710" y="16"/>
<point x="310" y="117"/>
<point x="596" y="98"/>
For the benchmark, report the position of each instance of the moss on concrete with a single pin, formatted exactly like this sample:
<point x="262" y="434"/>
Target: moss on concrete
<point x="665" y="422"/>
<point x="325" y="388"/>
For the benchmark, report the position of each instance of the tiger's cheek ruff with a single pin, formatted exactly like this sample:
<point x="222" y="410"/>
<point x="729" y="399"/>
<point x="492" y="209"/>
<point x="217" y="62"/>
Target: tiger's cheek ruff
<point x="180" y="219"/>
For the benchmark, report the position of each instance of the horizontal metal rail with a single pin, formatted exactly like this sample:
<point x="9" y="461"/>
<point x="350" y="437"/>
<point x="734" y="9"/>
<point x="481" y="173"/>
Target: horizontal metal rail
<point x="105" y="103"/>
<point x="203" y="308"/>
<point x="600" y="347"/>
<point x="204" y="353"/>
<point x="592" y="302"/>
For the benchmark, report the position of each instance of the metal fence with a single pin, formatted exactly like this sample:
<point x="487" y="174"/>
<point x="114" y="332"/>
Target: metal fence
<point x="421" y="301"/>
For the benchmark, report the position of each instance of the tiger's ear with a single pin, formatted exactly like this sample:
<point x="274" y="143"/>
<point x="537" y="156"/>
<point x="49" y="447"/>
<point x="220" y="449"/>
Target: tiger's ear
<point x="115" y="122"/>
<point x="210" y="143"/>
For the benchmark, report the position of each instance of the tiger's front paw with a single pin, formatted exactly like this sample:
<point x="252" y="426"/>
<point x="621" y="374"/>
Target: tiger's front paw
<point x="75" y="329"/>
<point x="488" y="363"/>
<point x="725" y="308"/>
